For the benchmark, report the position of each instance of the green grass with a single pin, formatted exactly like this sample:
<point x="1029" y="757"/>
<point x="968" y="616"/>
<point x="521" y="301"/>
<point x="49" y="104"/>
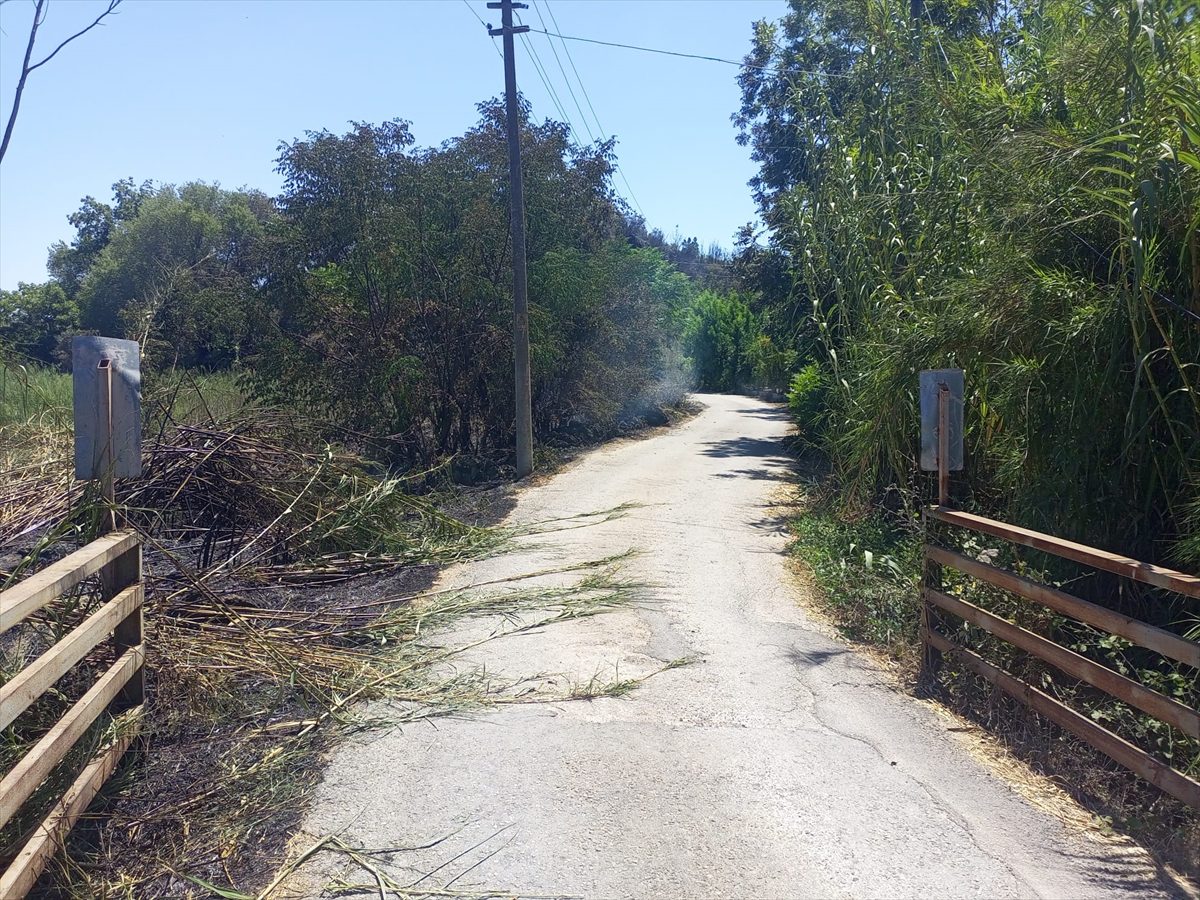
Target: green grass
<point x="195" y="397"/>
<point x="868" y="575"/>
<point x="32" y="395"/>
<point x="37" y="417"/>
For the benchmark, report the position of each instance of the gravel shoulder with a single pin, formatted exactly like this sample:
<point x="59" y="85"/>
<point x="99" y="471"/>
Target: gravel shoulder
<point x="780" y="763"/>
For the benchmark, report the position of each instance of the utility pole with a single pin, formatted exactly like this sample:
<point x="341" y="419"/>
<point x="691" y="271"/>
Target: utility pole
<point x="517" y="224"/>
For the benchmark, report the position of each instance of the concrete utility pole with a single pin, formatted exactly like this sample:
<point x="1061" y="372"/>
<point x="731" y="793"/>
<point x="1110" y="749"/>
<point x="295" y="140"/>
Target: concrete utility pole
<point x="517" y="221"/>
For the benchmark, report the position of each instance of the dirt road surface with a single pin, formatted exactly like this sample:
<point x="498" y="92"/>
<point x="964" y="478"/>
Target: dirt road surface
<point x="780" y="764"/>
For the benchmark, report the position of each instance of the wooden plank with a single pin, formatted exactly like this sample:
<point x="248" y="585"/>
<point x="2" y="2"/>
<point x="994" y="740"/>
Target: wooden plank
<point x="1115" y="747"/>
<point x="1148" y="636"/>
<point x="1188" y="585"/>
<point x="50" y="835"/>
<point x="34" y="679"/>
<point x="37" y="763"/>
<point x="30" y="595"/>
<point x="1148" y="701"/>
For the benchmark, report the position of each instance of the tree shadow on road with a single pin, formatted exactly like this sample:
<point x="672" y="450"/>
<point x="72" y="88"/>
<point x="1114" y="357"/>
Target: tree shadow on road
<point x="772" y="413"/>
<point x="809" y="658"/>
<point x="766" y="449"/>
<point x="763" y="474"/>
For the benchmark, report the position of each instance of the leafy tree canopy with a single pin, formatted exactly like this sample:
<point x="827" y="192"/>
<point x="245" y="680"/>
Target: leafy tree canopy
<point x="1013" y="189"/>
<point x="177" y="270"/>
<point x="34" y="320"/>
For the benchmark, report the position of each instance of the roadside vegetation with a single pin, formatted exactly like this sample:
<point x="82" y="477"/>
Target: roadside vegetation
<point x="1012" y="190"/>
<point x="383" y="271"/>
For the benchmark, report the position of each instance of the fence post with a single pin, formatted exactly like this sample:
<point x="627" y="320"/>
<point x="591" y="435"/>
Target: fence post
<point x="126" y="569"/>
<point x="931" y="579"/>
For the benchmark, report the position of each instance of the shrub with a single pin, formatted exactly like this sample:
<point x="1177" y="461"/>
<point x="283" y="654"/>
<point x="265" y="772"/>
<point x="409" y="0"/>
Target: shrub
<point x="771" y="363"/>
<point x="719" y="333"/>
<point x="806" y="399"/>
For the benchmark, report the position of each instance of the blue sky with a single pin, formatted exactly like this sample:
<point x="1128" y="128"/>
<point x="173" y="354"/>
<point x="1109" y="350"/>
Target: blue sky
<point x="177" y="90"/>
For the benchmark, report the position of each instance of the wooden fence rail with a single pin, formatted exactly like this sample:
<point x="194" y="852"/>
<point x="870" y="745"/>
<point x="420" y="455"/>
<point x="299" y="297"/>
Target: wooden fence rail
<point x="1127" y="690"/>
<point x="117" y="557"/>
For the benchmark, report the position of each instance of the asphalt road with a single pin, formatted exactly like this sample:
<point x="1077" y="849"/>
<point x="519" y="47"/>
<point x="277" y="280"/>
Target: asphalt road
<point x="781" y="764"/>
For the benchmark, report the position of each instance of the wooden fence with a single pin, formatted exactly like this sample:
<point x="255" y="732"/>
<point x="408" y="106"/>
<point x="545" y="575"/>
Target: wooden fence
<point x="117" y="558"/>
<point x="1158" y="640"/>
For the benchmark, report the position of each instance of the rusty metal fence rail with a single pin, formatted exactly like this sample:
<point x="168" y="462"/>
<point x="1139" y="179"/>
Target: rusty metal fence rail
<point x="117" y="558"/>
<point x="936" y="602"/>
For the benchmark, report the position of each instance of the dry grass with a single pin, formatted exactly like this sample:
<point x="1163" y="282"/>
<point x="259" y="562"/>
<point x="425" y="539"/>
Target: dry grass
<point x="270" y="717"/>
<point x="368" y="862"/>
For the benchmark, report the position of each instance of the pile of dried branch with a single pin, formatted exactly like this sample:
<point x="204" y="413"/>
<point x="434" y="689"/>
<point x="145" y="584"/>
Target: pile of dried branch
<point x="250" y="496"/>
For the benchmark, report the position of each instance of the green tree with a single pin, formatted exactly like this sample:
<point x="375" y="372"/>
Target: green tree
<point x="720" y="336"/>
<point x="604" y="336"/>
<point x="35" y="319"/>
<point x="93" y="223"/>
<point x="390" y="278"/>
<point x="1014" y="190"/>
<point x="179" y="274"/>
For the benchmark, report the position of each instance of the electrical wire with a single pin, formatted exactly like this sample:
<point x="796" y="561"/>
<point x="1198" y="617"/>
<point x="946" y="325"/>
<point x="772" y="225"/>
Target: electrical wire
<point x="537" y="65"/>
<point x="567" y="51"/>
<point x="484" y="24"/>
<point x="716" y="59"/>
<point x="561" y="107"/>
<point x="566" y="80"/>
<point x="583" y="89"/>
<point x="576" y="137"/>
<point x="545" y="77"/>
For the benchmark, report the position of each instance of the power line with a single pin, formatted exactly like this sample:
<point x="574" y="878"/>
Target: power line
<point x="567" y="80"/>
<point x="1155" y="291"/>
<point x="716" y="59"/>
<point x="567" y="51"/>
<point x="587" y="97"/>
<point x="484" y="24"/>
<point x="537" y="65"/>
<point x="543" y="73"/>
<point x="544" y="76"/>
<point x="558" y="104"/>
